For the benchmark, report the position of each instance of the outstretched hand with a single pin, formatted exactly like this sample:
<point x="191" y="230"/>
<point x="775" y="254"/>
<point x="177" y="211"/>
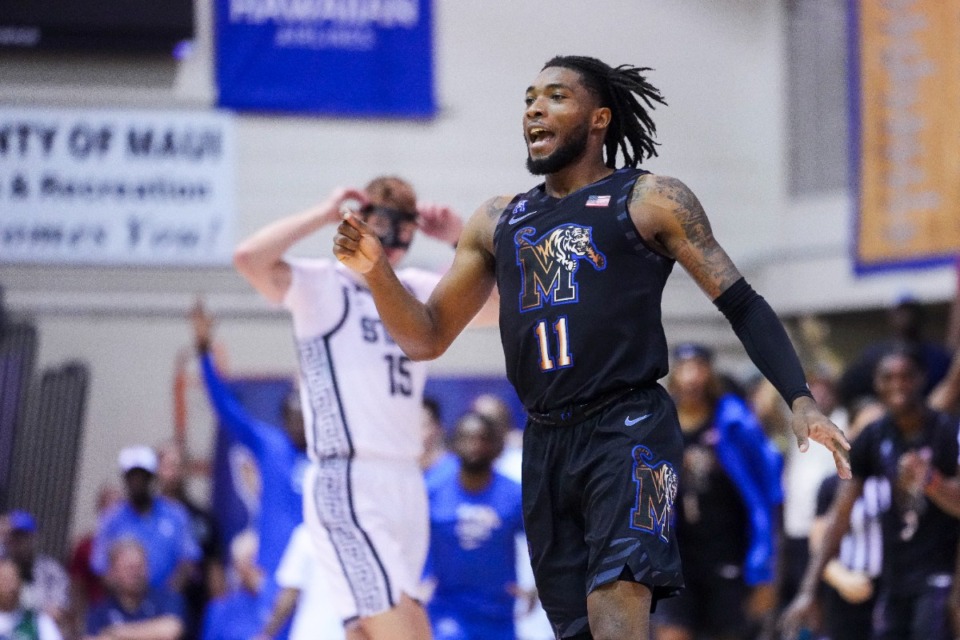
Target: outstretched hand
<point x="440" y="222"/>
<point x="809" y="423"/>
<point x="356" y="245"/>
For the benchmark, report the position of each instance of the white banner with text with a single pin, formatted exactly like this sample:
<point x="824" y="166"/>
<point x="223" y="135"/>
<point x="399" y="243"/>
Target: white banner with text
<point x="92" y="186"/>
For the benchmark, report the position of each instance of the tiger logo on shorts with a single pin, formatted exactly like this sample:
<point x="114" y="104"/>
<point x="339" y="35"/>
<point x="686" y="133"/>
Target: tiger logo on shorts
<point x="657" y="487"/>
<point x="549" y="263"/>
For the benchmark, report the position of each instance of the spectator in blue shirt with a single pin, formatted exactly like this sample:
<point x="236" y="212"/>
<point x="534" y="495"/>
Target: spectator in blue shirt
<point x="134" y="609"/>
<point x="280" y="454"/>
<point x="162" y="526"/>
<point x="475" y="518"/>
<point x="241" y="613"/>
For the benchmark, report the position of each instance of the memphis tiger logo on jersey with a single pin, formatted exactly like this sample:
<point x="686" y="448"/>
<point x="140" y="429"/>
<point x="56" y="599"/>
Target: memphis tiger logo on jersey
<point x="657" y="486"/>
<point x="549" y="264"/>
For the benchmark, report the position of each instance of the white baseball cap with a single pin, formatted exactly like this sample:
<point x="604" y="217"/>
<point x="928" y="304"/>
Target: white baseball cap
<point x="138" y="457"/>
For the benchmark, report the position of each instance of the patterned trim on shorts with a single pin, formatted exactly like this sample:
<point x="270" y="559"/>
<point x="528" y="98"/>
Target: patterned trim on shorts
<point x="362" y="567"/>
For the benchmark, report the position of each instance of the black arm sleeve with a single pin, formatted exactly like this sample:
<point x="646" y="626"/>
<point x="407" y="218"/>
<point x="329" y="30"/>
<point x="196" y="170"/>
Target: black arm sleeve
<point x="764" y="338"/>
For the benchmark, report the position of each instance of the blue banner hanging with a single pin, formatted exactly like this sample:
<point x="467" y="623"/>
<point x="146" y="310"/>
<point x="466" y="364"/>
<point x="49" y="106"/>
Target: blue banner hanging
<point x="332" y="57"/>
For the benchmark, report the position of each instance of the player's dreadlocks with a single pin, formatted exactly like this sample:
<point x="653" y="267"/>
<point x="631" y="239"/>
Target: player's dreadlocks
<point x="631" y="129"/>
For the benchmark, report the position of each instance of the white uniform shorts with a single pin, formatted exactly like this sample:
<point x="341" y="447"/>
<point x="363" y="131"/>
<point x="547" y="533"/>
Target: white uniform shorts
<point x="369" y="520"/>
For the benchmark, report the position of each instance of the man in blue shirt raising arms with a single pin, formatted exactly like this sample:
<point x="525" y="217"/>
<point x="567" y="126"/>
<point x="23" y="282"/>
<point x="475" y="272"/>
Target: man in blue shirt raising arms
<point x="279" y="453"/>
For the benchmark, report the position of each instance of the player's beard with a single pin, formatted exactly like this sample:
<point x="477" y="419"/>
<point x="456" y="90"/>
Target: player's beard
<point x="563" y="156"/>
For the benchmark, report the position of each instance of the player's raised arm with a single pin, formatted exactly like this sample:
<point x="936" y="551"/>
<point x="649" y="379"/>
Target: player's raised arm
<point x="259" y="258"/>
<point x="424" y="331"/>
<point x="669" y="216"/>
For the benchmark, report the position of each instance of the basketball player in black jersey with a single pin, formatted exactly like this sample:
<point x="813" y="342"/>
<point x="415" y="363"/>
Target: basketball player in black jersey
<point x="580" y="261"/>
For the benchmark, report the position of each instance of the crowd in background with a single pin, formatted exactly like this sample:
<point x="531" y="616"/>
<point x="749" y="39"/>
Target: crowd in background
<point x="750" y="511"/>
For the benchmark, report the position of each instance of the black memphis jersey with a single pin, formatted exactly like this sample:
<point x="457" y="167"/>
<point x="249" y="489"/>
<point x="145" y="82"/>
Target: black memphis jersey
<point x="580" y="295"/>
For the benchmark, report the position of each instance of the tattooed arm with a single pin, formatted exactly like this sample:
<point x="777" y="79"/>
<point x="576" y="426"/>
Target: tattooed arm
<point x="669" y="217"/>
<point x="424" y="331"/>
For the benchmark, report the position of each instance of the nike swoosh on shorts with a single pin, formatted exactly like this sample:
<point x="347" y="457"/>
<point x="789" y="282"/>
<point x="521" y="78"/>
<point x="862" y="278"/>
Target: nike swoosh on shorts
<point x="632" y="421"/>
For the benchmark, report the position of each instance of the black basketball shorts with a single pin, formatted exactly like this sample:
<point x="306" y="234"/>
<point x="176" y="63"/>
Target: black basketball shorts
<point x="598" y="501"/>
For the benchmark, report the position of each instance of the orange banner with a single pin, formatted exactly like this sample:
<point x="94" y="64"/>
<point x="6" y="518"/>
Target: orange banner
<point x="907" y="128"/>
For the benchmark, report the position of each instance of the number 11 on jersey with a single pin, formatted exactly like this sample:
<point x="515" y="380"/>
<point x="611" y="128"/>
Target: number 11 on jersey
<point x="564" y="358"/>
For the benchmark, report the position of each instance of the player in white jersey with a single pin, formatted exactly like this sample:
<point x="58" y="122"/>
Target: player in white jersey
<point x="364" y="499"/>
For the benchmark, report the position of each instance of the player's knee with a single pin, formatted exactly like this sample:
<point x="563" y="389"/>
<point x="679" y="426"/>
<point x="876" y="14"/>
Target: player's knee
<point x="619" y="611"/>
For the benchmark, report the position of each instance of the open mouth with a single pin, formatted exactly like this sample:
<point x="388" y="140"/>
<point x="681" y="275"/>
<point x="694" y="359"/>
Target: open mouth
<point x="538" y="137"/>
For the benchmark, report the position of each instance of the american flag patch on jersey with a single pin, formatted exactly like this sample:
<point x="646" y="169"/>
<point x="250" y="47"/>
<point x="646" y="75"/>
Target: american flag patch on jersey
<point x="598" y="201"/>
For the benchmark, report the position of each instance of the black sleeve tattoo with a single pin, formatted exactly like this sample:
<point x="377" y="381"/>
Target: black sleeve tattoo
<point x="694" y="247"/>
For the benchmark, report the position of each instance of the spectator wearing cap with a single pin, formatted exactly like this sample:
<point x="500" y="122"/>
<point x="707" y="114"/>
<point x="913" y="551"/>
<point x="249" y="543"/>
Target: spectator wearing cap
<point x="134" y="610"/>
<point x="161" y="525"/>
<point x="16" y="620"/>
<point x="726" y="508"/>
<point x="45" y="585"/>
